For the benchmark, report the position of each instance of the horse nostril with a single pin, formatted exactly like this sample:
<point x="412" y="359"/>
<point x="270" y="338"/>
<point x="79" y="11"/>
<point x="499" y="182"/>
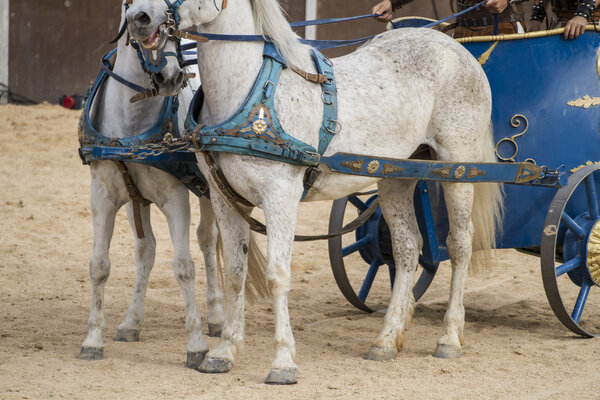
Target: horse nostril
<point x="179" y="78"/>
<point x="142" y="19"/>
<point x="159" y="78"/>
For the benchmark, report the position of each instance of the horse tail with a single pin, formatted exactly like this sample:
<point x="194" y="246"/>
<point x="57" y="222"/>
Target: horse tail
<point x="486" y="214"/>
<point x="256" y="283"/>
<point x="257" y="271"/>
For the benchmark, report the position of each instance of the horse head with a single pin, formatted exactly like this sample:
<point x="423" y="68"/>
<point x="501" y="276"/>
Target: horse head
<point x="149" y="23"/>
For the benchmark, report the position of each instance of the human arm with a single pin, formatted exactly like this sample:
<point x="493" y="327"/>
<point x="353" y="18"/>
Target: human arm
<point x="385" y="8"/>
<point x="576" y="25"/>
<point x="496" y="6"/>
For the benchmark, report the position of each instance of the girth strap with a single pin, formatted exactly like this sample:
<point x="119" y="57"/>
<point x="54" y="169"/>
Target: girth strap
<point x="235" y="200"/>
<point x="135" y="196"/>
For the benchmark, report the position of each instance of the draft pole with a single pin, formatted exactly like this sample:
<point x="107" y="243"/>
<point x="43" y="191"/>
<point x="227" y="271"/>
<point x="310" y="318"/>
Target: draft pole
<point x="310" y="13"/>
<point x="4" y="18"/>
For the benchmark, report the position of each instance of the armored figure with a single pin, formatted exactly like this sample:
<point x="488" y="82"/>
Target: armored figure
<point x="573" y="15"/>
<point x="477" y="22"/>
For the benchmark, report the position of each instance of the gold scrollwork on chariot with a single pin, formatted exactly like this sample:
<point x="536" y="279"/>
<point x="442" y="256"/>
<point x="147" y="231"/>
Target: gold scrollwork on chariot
<point x="515" y="122"/>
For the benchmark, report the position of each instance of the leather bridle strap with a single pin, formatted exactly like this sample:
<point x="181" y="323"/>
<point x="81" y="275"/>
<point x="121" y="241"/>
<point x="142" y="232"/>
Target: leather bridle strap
<point x="136" y="198"/>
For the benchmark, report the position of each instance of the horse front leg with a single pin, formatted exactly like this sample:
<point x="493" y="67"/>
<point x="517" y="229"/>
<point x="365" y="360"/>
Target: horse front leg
<point x="145" y="252"/>
<point x="459" y="203"/>
<point x="235" y="234"/>
<point x="207" y="234"/>
<point x="280" y="216"/>
<point x="104" y="205"/>
<point x="177" y="212"/>
<point x="396" y="200"/>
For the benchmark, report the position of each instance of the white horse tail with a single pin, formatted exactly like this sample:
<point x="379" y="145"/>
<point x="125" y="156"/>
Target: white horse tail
<point x="256" y="283"/>
<point x="486" y="215"/>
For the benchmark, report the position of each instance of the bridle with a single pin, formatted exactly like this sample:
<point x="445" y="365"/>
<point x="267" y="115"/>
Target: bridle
<point x="153" y="60"/>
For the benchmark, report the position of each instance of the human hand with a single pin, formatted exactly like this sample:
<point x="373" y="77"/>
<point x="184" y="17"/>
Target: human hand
<point x="496" y="6"/>
<point x="575" y="27"/>
<point x="383" y="10"/>
<point x="535" y="26"/>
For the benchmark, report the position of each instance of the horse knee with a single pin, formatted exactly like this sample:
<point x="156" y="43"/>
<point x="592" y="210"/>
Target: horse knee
<point x="99" y="270"/>
<point x="278" y="279"/>
<point x="184" y="269"/>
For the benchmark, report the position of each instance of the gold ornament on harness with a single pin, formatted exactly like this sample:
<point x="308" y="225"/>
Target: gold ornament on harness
<point x="260" y="125"/>
<point x="372" y="167"/>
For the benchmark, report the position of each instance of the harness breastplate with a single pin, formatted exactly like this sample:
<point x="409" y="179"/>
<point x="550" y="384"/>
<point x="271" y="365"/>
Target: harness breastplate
<point x="255" y="129"/>
<point x="95" y="146"/>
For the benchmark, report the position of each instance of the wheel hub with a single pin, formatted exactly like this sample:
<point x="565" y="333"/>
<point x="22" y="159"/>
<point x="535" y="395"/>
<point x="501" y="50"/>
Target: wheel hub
<point x="593" y="253"/>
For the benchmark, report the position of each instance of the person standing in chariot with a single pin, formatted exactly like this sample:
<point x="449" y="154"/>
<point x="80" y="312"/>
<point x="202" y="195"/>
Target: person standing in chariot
<point x="573" y="15"/>
<point x="478" y="22"/>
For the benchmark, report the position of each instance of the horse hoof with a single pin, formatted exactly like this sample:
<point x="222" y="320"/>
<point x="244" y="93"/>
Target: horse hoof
<point x="215" y="366"/>
<point x="380" y="354"/>
<point x="127" y="335"/>
<point x="194" y="359"/>
<point x="214" y="330"/>
<point x="447" y="351"/>
<point x="91" y="353"/>
<point x="285" y="376"/>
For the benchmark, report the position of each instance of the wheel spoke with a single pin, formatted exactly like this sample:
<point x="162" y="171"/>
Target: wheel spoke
<point x="573" y="226"/>
<point x="358" y="203"/>
<point x="366" y="286"/>
<point x="581" y="299"/>
<point x="360" y="244"/>
<point x="568" y="266"/>
<point x="592" y="199"/>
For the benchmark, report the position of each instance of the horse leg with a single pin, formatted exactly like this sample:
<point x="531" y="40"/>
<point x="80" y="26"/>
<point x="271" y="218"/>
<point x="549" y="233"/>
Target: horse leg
<point x="177" y="212"/>
<point x="396" y="201"/>
<point x="235" y="236"/>
<point x="459" y="203"/>
<point x="145" y="251"/>
<point x="104" y="209"/>
<point x="281" y="222"/>
<point x="207" y="238"/>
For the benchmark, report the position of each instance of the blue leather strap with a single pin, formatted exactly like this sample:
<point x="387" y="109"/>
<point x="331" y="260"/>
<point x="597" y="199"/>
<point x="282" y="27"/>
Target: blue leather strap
<point x="106" y="68"/>
<point x="324" y="21"/>
<point x="458" y="14"/>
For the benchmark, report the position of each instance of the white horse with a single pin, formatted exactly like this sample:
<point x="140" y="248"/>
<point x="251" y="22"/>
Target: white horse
<point x="405" y="88"/>
<point x="114" y="116"/>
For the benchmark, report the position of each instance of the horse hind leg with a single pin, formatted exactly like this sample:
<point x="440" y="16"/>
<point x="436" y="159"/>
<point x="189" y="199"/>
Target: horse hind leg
<point x="177" y="212"/>
<point x="145" y="252"/>
<point x="207" y="234"/>
<point x="396" y="200"/>
<point x="459" y="203"/>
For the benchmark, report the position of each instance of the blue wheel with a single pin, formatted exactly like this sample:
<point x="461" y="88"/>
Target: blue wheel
<point x="371" y="245"/>
<point x="570" y="252"/>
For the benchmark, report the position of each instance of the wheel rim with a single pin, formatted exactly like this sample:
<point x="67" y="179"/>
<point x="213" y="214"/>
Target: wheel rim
<point x="372" y="242"/>
<point x="573" y="226"/>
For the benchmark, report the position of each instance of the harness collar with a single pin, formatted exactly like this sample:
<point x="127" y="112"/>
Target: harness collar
<point x="255" y="129"/>
<point x="90" y="137"/>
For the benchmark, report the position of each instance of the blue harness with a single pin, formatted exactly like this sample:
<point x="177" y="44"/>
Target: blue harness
<point x="95" y="146"/>
<point x="255" y="129"/>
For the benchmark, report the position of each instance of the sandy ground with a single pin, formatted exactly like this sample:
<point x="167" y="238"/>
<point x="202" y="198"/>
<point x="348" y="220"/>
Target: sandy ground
<point x="514" y="346"/>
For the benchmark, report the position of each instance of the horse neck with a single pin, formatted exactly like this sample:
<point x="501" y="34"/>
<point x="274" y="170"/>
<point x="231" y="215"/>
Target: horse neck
<point x="228" y="69"/>
<point x="116" y="116"/>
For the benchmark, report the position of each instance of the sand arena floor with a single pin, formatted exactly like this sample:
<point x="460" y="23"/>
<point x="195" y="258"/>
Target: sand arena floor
<point x="514" y="346"/>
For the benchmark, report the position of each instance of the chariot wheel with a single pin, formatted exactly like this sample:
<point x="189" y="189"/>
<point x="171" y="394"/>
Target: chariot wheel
<point x="372" y="243"/>
<point x="570" y="252"/>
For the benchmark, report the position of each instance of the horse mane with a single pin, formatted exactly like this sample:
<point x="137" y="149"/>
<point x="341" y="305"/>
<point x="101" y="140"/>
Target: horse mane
<point x="271" y="21"/>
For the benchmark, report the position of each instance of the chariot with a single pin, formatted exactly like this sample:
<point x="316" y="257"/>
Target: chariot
<point x="545" y="112"/>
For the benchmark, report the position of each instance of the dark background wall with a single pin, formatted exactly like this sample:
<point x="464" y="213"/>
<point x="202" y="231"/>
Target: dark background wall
<point x="55" y="45"/>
